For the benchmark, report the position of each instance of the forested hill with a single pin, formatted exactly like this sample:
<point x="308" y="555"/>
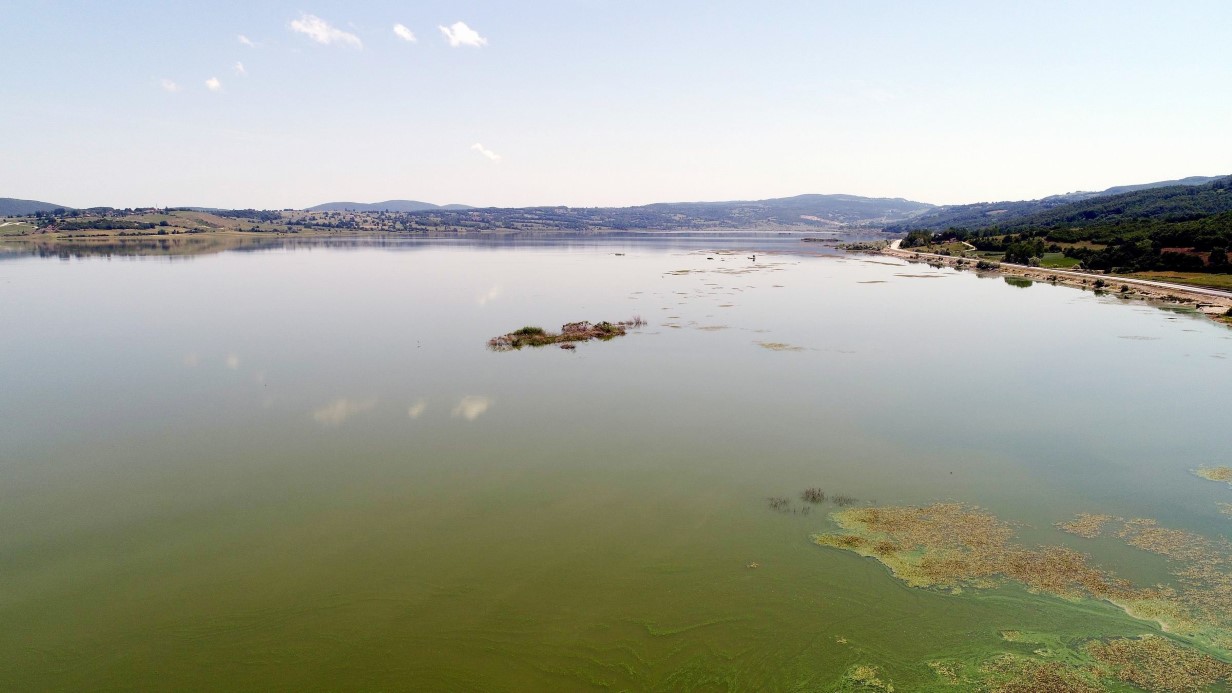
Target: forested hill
<point x="1004" y="214"/>
<point x="1175" y="203"/>
<point x="13" y="207"/>
<point x="1181" y="227"/>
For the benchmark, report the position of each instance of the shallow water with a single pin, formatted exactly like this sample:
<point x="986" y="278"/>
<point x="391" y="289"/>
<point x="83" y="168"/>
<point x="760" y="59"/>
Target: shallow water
<point x="300" y="468"/>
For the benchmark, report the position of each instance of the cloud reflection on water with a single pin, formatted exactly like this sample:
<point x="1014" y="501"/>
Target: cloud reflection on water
<point x="417" y="408"/>
<point x="471" y="407"/>
<point x="341" y="409"/>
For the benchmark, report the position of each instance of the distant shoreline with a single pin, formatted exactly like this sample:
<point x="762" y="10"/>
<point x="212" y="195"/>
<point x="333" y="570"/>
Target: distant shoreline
<point x="1211" y="302"/>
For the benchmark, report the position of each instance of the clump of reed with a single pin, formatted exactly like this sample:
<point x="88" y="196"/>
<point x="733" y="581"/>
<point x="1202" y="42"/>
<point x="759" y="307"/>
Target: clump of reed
<point x="843" y="500"/>
<point x="778" y="503"/>
<point x="813" y="495"/>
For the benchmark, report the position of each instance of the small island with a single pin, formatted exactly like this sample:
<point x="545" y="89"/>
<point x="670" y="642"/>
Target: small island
<point x="569" y="334"/>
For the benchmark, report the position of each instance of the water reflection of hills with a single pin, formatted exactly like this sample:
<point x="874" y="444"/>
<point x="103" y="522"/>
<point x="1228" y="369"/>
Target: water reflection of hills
<point x="206" y="244"/>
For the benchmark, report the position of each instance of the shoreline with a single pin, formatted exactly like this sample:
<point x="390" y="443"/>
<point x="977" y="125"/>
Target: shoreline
<point x="1212" y="303"/>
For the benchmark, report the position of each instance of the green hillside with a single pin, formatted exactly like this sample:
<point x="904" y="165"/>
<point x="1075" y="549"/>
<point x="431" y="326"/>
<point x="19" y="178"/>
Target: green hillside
<point x="1178" y="228"/>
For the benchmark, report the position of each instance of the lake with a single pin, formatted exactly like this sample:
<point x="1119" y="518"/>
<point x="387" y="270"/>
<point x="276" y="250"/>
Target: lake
<point x="301" y="468"/>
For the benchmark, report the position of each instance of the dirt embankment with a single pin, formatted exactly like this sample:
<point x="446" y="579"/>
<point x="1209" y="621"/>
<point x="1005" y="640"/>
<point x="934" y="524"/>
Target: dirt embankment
<point x="1212" y="302"/>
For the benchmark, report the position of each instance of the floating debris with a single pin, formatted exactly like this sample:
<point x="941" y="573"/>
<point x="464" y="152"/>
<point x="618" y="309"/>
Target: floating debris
<point x="569" y="332"/>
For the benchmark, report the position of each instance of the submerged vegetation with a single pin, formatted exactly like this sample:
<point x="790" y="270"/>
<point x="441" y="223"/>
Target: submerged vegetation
<point x="953" y="547"/>
<point x="569" y="333"/>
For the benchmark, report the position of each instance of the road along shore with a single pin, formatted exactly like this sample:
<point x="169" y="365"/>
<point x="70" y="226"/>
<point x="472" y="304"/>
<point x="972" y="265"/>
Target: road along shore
<point x="1212" y="302"/>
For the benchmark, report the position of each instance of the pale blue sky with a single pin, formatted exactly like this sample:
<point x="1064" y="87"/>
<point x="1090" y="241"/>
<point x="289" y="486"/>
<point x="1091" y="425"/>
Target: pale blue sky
<point x="606" y="102"/>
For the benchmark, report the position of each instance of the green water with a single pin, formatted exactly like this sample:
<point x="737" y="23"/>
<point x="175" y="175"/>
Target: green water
<point x="301" y="469"/>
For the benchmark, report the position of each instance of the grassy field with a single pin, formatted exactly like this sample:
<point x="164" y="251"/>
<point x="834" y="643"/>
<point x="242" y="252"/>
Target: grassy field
<point x="14" y="228"/>
<point x="1058" y="261"/>
<point x="955" y="248"/>
<point x="1213" y="281"/>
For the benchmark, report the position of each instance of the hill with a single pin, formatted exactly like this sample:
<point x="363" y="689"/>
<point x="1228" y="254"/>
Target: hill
<point x="386" y="206"/>
<point x="1175" y="228"/>
<point x="13" y="207"/>
<point x="800" y="209"/>
<point x="984" y="214"/>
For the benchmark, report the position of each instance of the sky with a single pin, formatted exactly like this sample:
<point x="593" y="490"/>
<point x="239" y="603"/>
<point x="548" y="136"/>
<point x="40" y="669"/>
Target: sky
<point x="278" y="104"/>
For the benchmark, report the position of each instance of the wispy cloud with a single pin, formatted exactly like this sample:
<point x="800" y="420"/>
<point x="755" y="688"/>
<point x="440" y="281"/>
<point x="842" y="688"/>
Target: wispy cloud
<point x="169" y="85"/>
<point x="459" y="34"/>
<point x="486" y="152"/>
<point x="213" y="84"/>
<point x="472" y="407"/>
<point x="341" y="409"/>
<point x="404" y="33"/>
<point x="417" y="408"/>
<point x="322" y="31"/>
<point x="245" y="41"/>
<point x="239" y="69"/>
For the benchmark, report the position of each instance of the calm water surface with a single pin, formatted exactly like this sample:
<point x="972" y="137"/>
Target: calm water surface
<point x="301" y="469"/>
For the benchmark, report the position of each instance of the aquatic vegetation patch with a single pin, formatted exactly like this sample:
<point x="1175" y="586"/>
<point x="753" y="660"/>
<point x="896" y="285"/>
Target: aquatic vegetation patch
<point x="1154" y="663"/>
<point x="813" y="495"/>
<point x="1086" y="525"/>
<point x="952" y="546"/>
<point x="865" y="677"/>
<point x="1225" y="508"/>
<point x="569" y="333"/>
<point x="1011" y="673"/>
<point x="1215" y="473"/>
<point x="778" y="346"/>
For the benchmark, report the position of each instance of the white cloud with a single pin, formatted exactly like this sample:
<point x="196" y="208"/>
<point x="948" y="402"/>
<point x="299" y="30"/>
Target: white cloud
<point x="486" y="152"/>
<point x="239" y="69"/>
<point x="417" y="408"/>
<point x="213" y="84"/>
<point x="245" y="40"/>
<point x="169" y="85"/>
<point x="404" y="33"/>
<point x="321" y="31"/>
<point x="472" y="407"/>
<point x="339" y="410"/>
<point x="459" y="34"/>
